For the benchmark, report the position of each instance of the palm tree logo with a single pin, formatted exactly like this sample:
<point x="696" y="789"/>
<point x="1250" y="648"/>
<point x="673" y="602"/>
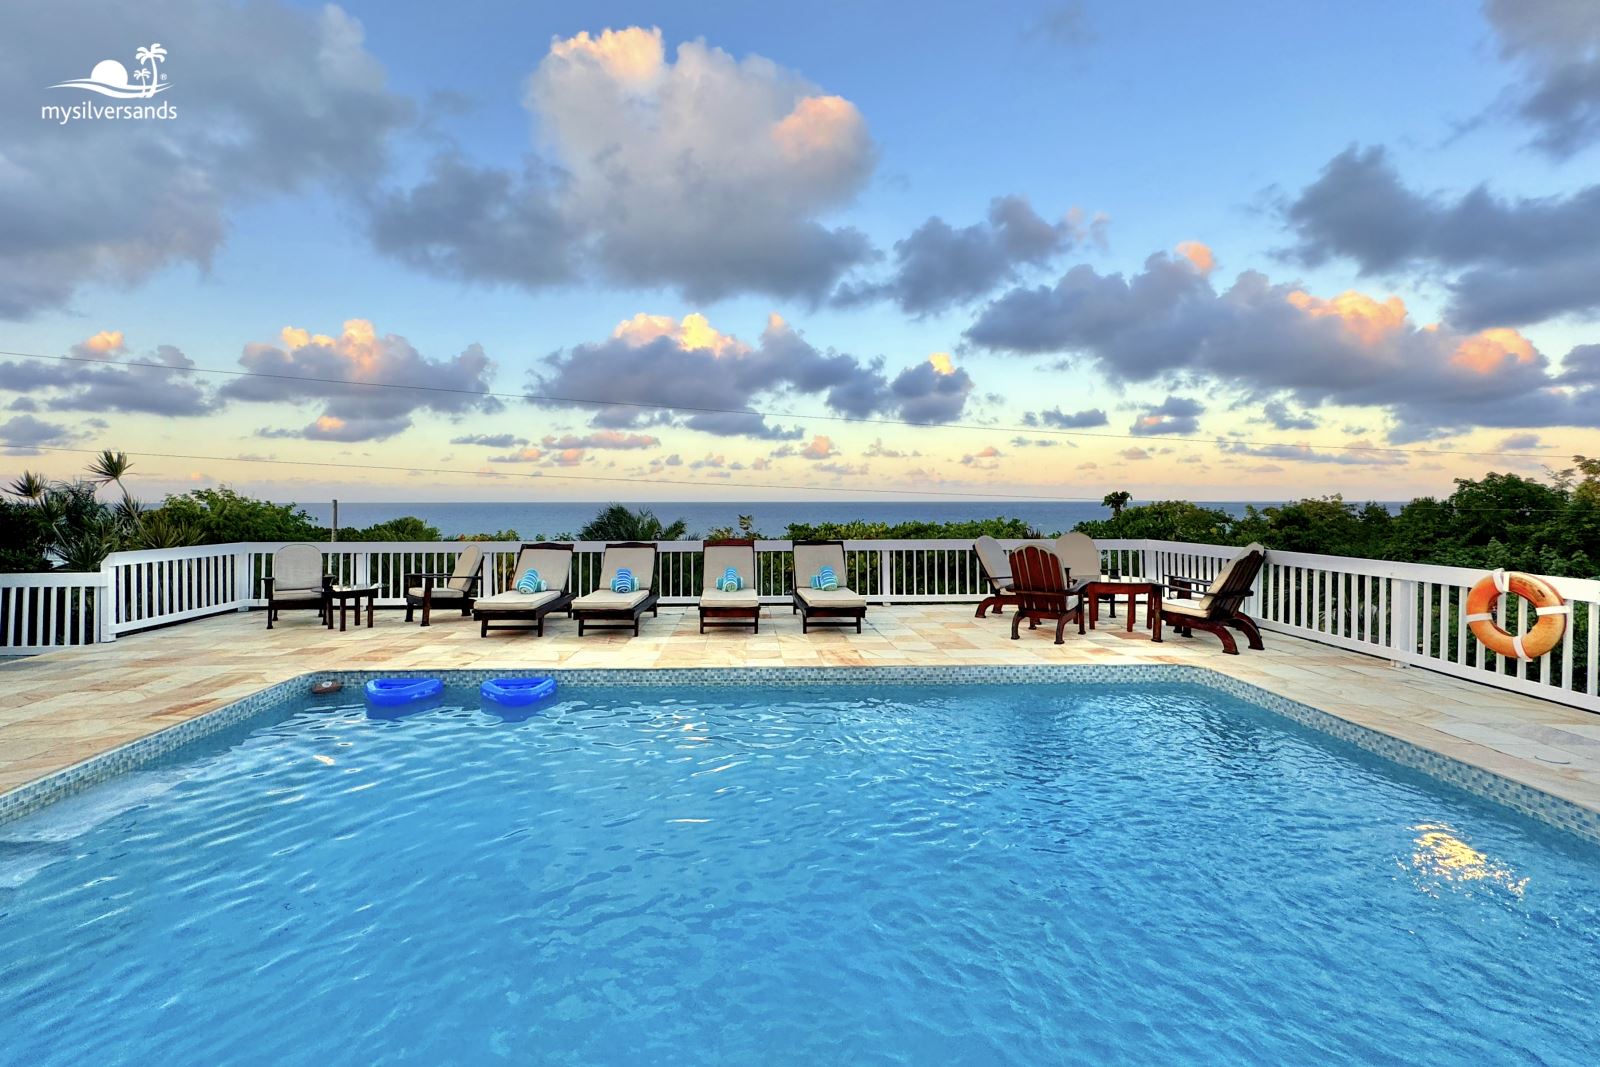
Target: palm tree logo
<point x="110" y="78"/>
<point x="147" y="58"/>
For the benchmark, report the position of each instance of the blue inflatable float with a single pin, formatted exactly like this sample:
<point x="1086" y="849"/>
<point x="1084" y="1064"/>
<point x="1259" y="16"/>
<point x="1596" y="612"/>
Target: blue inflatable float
<point x="517" y="692"/>
<point x="398" y="692"/>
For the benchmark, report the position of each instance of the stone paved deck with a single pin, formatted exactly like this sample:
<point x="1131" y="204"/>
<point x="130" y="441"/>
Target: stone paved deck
<point x="61" y="708"/>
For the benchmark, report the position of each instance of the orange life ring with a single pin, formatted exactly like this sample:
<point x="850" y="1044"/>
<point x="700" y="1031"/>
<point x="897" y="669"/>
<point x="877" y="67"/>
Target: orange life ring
<point x="1551" y="610"/>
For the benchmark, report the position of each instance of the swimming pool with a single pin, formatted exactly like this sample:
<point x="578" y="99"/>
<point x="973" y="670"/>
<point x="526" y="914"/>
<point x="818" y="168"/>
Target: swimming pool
<point x="956" y="873"/>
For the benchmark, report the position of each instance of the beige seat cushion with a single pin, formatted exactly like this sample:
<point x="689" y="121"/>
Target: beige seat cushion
<point x="832" y="598"/>
<point x="440" y="592"/>
<point x="810" y="559"/>
<point x="641" y="561"/>
<point x="718" y="558"/>
<point x="282" y="591"/>
<point x="553" y="564"/>
<point x="717" y="598"/>
<point x="1197" y="608"/>
<point x="606" y="600"/>
<point x="515" y="601"/>
<point x="467" y="566"/>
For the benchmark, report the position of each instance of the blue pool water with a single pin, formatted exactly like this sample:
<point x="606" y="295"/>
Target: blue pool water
<point x="1021" y="874"/>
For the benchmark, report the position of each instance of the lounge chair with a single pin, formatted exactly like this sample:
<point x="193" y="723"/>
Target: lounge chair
<point x="460" y="585"/>
<point x="297" y="581"/>
<point x="1040" y="584"/>
<point x="826" y="607"/>
<point x="720" y="607"/>
<point x="1216" y="609"/>
<point x="605" y="609"/>
<point x="514" y="610"/>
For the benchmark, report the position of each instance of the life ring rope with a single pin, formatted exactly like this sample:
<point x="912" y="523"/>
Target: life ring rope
<point x="1550" y="611"/>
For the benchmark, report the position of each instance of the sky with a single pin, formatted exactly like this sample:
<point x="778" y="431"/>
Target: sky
<point x="415" y="251"/>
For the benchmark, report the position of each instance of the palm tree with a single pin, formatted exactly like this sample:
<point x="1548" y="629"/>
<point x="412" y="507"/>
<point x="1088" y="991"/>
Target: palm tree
<point x="111" y="466"/>
<point x="1116" y="502"/>
<point x="141" y="74"/>
<point x="617" y="523"/>
<point x="30" y="486"/>
<point x="151" y="55"/>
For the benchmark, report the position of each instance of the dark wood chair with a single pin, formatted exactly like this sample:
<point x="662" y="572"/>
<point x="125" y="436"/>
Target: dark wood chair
<point x="606" y="610"/>
<point x="1213" y="604"/>
<point x="513" y="610"/>
<point x="824" y="607"/>
<point x="723" y="608"/>
<point x="1039" y="585"/>
<point x="458" y="586"/>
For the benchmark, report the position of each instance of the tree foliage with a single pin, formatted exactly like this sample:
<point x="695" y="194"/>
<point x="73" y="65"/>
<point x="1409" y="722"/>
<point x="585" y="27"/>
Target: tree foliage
<point x="617" y="522"/>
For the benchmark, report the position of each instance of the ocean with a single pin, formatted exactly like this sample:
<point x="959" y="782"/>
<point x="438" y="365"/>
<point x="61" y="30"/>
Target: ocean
<point x="552" y="518"/>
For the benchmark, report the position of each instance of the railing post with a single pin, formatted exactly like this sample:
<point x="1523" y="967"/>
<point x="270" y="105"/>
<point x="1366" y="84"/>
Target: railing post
<point x="885" y="568"/>
<point x="105" y="603"/>
<point x="1402" y="622"/>
<point x="241" y="579"/>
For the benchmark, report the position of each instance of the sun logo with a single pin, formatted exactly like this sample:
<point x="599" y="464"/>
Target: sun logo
<point x="110" y="78"/>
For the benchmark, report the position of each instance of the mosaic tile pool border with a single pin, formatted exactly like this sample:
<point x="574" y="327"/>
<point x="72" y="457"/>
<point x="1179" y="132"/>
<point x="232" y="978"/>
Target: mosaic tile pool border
<point x="1562" y="813"/>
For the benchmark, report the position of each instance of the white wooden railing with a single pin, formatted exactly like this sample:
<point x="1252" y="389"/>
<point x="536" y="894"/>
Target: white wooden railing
<point x="1409" y="614"/>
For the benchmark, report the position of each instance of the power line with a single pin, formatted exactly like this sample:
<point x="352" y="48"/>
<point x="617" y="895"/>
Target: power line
<point x="541" y="475"/>
<point x="854" y="419"/>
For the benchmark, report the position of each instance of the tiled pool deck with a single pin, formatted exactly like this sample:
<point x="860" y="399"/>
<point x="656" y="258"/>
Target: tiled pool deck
<point x="60" y="709"/>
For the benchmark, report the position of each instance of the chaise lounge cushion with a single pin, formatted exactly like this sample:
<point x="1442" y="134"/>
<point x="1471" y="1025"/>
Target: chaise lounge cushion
<point x="831" y="598"/>
<point x="606" y="600"/>
<point x="717" y="598"/>
<point x="440" y="592"/>
<point x="512" y="600"/>
<point x="641" y="561"/>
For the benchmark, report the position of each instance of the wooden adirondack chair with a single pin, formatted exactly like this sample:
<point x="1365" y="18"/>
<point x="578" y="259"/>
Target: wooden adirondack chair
<point x="1040" y="588"/>
<point x="1216" y="607"/>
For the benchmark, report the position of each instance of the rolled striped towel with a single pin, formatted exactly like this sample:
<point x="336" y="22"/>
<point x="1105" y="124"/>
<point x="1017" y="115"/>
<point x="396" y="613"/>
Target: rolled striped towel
<point x="730" y="582"/>
<point x="530" y="582"/>
<point x="624" y="581"/>
<point x="825" y="579"/>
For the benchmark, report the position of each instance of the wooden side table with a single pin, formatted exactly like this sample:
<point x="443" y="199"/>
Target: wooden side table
<point x="1094" y="588"/>
<point x="347" y="595"/>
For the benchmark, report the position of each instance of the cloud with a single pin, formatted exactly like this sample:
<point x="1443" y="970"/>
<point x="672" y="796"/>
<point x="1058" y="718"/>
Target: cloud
<point x="1065" y="24"/>
<point x="841" y="470"/>
<point x="357" y="412"/>
<point x="1556" y="43"/>
<point x="821" y="447"/>
<point x="1036" y="442"/>
<point x="117" y="202"/>
<point x="1307" y="454"/>
<point x="1176" y="414"/>
<point x="109" y="385"/>
<point x="878" y="450"/>
<point x="490" y="440"/>
<point x="655" y="367"/>
<point x="1134" y="454"/>
<point x="523" y="455"/>
<point x="22" y="434"/>
<point x="938" y="266"/>
<point x="704" y="173"/>
<point x="1518" y="260"/>
<point x="1351" y="349"/>
<point x="1520" y="442"/>
<point x="604" y="439"/>
<point x="1063" y="421"/>
<point x="1278" y="414"/>
<point x="103" y="345"/>
<point x="931" y="392"/>
<point x="986" y="458"/>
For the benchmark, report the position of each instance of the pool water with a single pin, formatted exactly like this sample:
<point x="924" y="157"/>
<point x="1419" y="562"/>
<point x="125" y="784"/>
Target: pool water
<point x="967" y="874"/>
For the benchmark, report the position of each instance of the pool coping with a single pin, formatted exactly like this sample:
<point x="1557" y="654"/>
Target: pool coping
<point x="1528" y="800"/>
